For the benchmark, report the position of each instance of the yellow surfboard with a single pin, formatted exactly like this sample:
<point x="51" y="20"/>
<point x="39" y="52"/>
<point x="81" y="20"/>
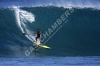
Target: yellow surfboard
<point x="41" y="45"/>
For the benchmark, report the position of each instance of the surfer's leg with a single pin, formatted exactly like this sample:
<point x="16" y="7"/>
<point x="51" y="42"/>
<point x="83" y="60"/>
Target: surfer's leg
<point x="36" y="39"/>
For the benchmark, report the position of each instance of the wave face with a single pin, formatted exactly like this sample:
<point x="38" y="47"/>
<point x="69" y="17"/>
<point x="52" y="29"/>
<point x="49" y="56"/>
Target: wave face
<point x="64" y="3"/>
<point x="78" y="37"/>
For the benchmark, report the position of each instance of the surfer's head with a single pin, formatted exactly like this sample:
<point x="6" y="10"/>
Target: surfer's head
<point x="38" y="29"/>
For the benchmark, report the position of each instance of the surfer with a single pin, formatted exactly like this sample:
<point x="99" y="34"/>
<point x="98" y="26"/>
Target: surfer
<point x="39" y="34"/>
<point x="37" y="44"/>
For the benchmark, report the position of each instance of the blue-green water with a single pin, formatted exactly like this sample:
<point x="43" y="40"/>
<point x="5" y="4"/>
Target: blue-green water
<point x="51" y="61"/>
<point x="71" y="30"/>
<point x="78" y="37"/>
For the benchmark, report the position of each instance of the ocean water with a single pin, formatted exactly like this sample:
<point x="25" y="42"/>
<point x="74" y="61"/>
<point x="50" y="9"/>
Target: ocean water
<point x="51" y="61"/>
<point x="72" y="31"/>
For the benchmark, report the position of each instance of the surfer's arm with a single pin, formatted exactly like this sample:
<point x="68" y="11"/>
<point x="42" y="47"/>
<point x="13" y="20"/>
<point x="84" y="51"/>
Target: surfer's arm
<point x="41" y="33"/>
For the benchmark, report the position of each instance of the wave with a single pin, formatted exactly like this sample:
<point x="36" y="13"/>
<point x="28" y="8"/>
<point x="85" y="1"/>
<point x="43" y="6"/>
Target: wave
<point x="79" y="36"/>
<point x="59" y="3"/>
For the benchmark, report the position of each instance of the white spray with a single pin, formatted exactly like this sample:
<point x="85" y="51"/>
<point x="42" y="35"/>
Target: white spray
<point x="22" y="17"/>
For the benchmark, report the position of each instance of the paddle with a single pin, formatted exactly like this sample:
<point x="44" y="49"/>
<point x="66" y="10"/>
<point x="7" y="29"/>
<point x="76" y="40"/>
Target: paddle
<point x="24" y="33"/>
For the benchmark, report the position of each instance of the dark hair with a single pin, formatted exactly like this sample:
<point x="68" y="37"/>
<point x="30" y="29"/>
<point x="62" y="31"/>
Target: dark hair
<point x="38" y="29"/>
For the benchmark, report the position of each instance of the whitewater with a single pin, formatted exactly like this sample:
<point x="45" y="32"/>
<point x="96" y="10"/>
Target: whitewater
<point x="75" y="42"/>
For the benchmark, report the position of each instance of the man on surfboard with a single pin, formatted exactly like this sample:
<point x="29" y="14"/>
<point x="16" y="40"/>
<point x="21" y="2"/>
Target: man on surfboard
<point x="39" y="34"/>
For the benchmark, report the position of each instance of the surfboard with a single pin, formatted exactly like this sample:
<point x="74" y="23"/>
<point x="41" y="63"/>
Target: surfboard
<point x="41" y="45"/>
